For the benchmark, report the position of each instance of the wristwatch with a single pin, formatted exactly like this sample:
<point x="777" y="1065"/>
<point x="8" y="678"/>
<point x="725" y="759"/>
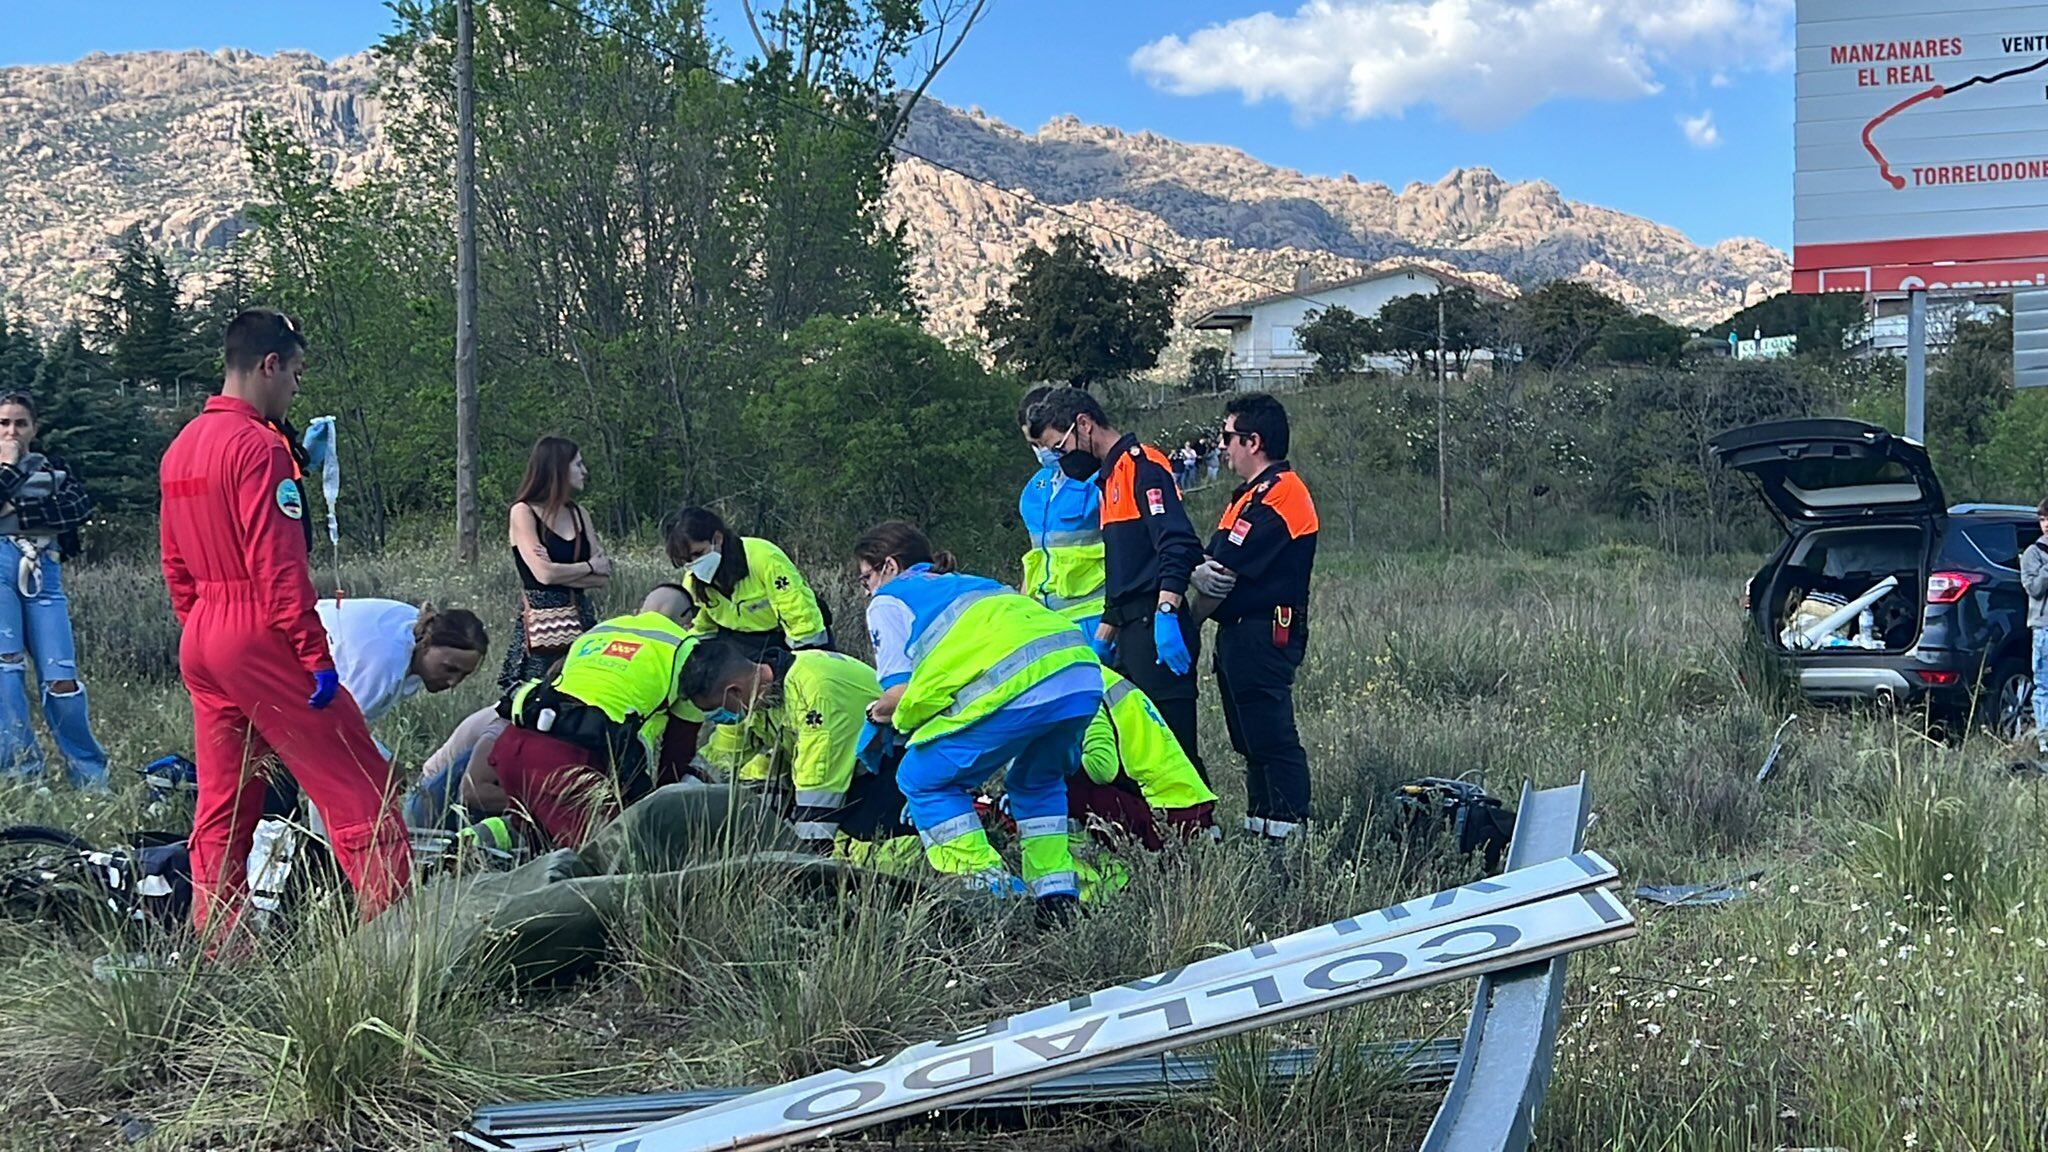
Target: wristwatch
<point x="1166" y="607"/>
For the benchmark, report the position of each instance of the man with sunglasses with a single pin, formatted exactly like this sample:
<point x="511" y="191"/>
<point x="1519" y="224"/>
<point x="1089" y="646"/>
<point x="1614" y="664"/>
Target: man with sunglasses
<point x="1149" y="551"/>
<point x="1257" y="570"/>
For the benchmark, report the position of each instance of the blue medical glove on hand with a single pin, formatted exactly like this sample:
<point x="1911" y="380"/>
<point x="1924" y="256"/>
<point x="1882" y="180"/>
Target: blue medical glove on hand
<point x="325" y="685"/>
<point x="1170" y="644"/>
<point x="1105" y="649"/>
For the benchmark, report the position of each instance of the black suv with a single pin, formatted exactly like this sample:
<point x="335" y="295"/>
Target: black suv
<point x="1860" y="506"/>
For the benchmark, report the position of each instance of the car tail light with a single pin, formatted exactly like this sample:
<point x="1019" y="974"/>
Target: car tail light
<point x="1949" y="587"/>
<point x="1938" y="679"/>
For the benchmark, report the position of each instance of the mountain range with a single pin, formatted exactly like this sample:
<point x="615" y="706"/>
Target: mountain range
<point x="153" y="139"/>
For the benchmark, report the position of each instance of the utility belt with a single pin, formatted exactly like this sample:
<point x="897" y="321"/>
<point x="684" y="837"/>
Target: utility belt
<point x="538" y="706"/>
<point x="1286" y="621"/>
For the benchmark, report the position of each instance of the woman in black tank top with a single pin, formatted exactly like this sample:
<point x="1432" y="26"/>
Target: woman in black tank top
<point x="557" y="554"/>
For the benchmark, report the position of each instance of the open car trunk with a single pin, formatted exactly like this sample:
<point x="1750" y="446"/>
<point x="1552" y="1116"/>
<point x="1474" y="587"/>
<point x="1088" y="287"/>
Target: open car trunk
<point x="1827" y="571"/>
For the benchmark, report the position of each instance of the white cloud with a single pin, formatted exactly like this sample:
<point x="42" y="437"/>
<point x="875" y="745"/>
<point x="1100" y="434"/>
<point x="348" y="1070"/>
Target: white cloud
<point x="1484" y="63"/>
<point x="1700" y="131"/>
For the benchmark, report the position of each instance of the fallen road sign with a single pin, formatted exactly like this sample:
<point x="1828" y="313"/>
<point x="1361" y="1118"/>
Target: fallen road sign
<point x="558" y="1125"/>
<point x="1550" y="878"/>
<point x="1089" y="1031"/>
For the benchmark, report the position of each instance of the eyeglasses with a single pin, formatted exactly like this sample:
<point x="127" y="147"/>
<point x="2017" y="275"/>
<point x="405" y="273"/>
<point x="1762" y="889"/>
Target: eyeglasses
<point x="1229" y="434"/>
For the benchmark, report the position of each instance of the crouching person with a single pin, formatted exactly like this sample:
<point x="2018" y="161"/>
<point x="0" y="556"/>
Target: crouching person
<point x="978" y="676"/>
<point x="1132" y="764"/>
<point x="800" y="718"/>
<point x="606" y="729"/>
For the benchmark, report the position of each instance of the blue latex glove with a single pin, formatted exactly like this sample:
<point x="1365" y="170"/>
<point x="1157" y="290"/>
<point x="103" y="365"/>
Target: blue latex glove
<point x="1170" y="644"/>
<point x="318" y="441"/>
<point x="325" y="685"/>
<point x="1105" y="650"/>
<point x="875" y="742"/>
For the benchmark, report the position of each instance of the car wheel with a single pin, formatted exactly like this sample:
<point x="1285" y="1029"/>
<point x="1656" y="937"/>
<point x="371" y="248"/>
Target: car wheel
<point x="2008" y="706"/>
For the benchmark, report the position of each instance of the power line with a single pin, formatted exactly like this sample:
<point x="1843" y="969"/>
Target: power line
<point x="1026" y="198"/>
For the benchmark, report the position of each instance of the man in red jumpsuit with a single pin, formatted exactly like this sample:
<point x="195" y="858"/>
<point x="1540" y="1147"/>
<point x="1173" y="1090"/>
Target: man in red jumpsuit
<point x="254" y="656"/>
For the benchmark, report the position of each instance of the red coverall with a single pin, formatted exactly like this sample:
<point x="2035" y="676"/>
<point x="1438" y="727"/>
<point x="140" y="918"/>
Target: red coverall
<point x="234" y="556"/>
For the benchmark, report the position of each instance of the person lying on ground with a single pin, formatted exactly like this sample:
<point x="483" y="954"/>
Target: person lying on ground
<point x="608" y="728"/>
<point x="1131" y="764"/>
<point x="801" y="716"/>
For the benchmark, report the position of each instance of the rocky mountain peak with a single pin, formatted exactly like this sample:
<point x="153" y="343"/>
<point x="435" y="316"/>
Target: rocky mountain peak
<point x="154" y="139"/>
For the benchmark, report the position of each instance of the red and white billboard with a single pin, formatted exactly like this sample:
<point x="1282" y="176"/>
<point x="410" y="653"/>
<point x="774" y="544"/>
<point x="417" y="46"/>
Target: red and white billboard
<point x="1922" y="146"/>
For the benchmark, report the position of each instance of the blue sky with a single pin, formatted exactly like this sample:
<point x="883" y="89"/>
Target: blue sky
<point x="1680" y="111"/>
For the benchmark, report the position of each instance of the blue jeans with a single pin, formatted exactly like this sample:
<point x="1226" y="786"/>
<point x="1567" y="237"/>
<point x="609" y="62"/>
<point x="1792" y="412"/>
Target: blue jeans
<point x="38" y="629"/>
<point x="429" y="804"/>
<point x="2041" y="689"/>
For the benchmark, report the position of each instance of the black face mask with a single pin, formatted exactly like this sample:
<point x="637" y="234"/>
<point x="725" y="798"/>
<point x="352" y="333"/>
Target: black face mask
<point x="1079" y="465"/>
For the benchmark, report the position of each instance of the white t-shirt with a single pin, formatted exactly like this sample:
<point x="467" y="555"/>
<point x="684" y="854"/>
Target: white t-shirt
<point x="372" y="645"/>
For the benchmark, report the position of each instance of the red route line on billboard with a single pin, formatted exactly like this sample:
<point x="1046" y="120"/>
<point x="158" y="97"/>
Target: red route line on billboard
<point x="1884" y="167"/>
<point x="1938" y="91"/>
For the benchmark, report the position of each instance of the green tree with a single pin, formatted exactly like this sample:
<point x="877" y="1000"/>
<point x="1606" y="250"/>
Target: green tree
<point x="139" y="320"/>
<point x="87" y="414"/>
<point x="1560" y="324"/>
<point x="1206" y="373"/>
<point x="364" y="270"/>
<point x="1069" y="318"/>
<point x="1408" y="325"/>
<point x="1340" y="340"/>
<point x="1819" y="322"/>
<point x="21" y="353"/>
<point x="931" y="429"/>
<point x="1642" y="339"/>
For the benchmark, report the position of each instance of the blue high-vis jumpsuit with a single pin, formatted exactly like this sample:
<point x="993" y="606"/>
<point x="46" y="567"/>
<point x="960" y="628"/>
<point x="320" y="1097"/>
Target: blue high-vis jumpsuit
<point x="1063" y="570"/>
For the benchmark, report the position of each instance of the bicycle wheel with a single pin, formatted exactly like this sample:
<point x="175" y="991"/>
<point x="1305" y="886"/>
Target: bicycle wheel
<point x="45" y="877"/>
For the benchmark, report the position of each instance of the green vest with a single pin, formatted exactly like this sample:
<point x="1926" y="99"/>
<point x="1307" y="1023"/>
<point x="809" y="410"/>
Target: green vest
<point x="626" y="667"/>
<point x="1067" y="575"/>
<point x="1129" y="736"/>
<point x="971" y="662"/>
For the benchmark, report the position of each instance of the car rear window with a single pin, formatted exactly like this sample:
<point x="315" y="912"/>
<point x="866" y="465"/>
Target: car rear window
<point x="1998" y="543"/>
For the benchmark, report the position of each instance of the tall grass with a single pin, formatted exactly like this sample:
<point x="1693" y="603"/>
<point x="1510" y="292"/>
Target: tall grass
<point x="1880" y="981"/>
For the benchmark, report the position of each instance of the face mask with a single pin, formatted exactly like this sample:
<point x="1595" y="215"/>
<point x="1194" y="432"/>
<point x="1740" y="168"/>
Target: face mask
<point x="706" y="566"/>
<point x="1079" y="465"/>
<point x="723" y="716"/>
<point x="1046" y="456"/>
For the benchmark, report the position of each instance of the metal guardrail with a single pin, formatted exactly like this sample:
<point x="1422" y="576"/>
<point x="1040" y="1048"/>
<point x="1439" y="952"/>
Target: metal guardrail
<point x="1510" y="1043"/>
<point x="554" y="1126"/>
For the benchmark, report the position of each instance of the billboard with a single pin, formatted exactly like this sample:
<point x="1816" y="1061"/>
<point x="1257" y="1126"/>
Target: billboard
<point x="1921" y="146"/>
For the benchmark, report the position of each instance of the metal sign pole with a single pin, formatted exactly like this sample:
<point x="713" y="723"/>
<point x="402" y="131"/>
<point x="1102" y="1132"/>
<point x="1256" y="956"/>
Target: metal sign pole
<point x="1916" y="367"/>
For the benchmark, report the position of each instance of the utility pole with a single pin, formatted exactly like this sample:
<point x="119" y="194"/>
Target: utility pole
<point x="467" y="412"/>
<point x="1916" y="366"/>
<point x="1443" y="477"/>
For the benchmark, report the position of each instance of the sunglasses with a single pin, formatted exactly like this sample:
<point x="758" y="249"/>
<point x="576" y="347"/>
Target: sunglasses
<point x="1229" y="434"/>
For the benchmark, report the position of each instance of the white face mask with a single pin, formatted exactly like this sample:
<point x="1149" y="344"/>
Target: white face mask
<point x="706" y="566"/>
<point x="1047" y="457"/>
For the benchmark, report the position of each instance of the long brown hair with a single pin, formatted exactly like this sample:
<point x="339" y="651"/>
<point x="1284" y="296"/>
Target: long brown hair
<point x="903" y="542"/>
<point x="546" y="483"/>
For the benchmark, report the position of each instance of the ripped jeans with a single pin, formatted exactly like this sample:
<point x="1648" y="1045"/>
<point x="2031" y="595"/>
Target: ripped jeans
<point x="38" y="629"/>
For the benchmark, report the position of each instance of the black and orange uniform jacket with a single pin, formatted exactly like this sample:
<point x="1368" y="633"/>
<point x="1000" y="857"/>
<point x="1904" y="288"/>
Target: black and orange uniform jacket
<point x="1268" y="537"/>
<point x="1148" y="544"/>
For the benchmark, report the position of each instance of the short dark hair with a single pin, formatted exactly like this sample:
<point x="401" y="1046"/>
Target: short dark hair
<point x="1061" y="406"/>
<point x="1261" y="415"/>
<point x="713" y="664"/>
<point x="1031" y="398"/>
<point x="2042" y="510"/>
<point x="256" y="333"/>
